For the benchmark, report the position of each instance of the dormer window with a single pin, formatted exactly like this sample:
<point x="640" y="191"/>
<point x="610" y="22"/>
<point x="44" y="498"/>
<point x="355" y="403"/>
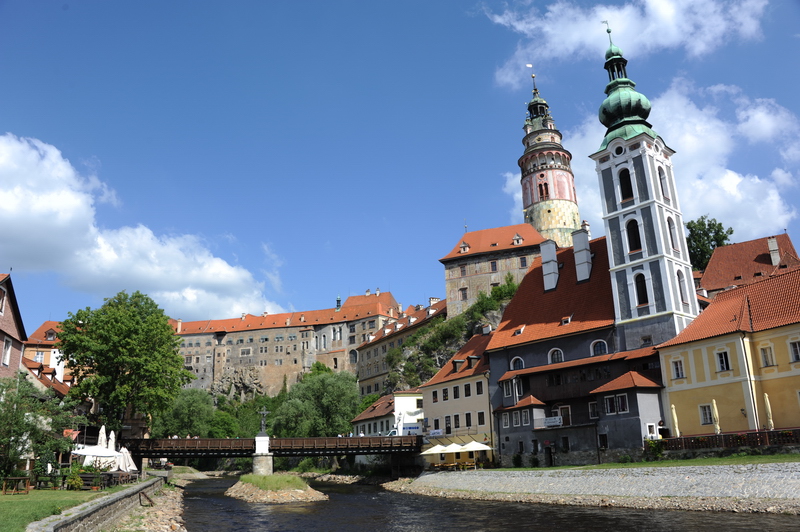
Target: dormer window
<point x="464" y="247"/>
<point x="566" y="320"/>
<point x="517" y="240"/>
<point x="50" y="335"/>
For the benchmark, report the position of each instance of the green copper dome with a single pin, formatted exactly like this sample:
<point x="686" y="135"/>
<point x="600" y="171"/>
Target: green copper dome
<point x="613" y="51"/>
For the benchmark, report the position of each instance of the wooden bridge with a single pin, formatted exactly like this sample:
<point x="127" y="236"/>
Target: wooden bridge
<point x="246" y="447"/>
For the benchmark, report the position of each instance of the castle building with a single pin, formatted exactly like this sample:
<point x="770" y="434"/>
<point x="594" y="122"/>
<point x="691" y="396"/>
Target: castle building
<point x="548" y="185"/>
<point x="648" y="256"/>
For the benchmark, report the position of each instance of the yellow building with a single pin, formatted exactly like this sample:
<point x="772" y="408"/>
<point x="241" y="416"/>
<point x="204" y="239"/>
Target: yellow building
<point x="742" y="355"/>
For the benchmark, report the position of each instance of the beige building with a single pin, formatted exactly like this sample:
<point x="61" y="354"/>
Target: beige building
<point x="482" y="259"/>
<point x="257" y="354"/>
<point x="372" y="366"/>
<point x="457" y="405"/>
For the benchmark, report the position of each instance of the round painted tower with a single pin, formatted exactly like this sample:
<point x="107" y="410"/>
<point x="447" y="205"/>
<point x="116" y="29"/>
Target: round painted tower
<point x="548" y="185"/>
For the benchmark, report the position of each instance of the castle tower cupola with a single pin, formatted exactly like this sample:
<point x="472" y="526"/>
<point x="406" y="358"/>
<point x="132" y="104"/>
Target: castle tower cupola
<point x="548" y="185"/>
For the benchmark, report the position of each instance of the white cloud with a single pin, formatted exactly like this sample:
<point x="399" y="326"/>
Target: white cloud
<point x="564" y="30"/>
<point x="48" y="216"/>
<point x="512" y="187"/>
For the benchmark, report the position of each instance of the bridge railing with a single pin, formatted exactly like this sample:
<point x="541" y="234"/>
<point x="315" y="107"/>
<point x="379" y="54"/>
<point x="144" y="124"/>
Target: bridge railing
<point x="347" y="443"/>
<point x="192" y="445"/>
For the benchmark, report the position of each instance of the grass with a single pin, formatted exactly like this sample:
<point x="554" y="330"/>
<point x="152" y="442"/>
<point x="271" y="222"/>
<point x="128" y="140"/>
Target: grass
<point x="275" y="482"/>
<point x="708" y="461"/>
<point x="20" y="510"/>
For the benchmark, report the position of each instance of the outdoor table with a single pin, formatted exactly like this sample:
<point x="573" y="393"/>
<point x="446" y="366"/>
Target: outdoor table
<point x="16" y="485"/>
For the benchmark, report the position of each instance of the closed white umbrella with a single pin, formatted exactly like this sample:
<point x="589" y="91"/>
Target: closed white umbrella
<point x="715" y="416"/>
<point x="112" y="441"/>
<point x="101" y="438"/>
<point x="675" y="423"/>
<point x="768" y="408"/>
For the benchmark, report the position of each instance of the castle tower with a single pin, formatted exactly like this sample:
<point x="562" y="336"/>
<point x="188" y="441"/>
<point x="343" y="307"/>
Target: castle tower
<point x="548" y="186"/>
<point x="648" y="257"/>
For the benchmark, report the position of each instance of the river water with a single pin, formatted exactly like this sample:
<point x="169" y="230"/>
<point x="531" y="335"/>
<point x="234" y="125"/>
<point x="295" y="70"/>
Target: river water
<point x="371" y="508"/>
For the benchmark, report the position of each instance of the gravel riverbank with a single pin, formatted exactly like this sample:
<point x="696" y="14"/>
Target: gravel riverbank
<point x="758" y="488"/>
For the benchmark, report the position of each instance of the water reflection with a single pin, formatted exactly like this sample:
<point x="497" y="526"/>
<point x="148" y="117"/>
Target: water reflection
<point x="371" y="508"/>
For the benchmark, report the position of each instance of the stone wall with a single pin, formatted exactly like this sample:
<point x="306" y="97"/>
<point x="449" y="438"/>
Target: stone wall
<point x="99" y="514"/>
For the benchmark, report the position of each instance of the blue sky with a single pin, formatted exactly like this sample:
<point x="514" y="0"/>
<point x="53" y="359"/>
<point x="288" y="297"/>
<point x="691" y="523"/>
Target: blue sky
<point x="251" y="156"/>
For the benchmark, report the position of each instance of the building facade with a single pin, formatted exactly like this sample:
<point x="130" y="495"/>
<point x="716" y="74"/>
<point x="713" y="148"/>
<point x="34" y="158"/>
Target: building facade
<point x="12" y="331"/>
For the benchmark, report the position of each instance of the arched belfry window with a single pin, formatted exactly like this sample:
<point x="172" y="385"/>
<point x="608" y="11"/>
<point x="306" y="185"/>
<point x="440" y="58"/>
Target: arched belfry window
<point x="662" y="179"/>
<point x="544" y="191"/>
<point x="673" y="240"/>
<point x="682" y="287"/>
<point x="641" y="290"/>
<point x="625" y="185"/>
<point x="634" y="238"/>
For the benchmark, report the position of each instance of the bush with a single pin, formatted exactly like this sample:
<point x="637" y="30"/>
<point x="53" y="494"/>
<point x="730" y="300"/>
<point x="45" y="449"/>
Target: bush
<point x="306" y="464"/>
<point x="534" y="461"/>
<point x="625" y="459"/>
<point x="517" y="460"/>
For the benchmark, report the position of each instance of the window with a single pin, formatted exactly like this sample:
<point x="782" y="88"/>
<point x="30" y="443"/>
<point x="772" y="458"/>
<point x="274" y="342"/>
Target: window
<point x="526" y="417"/>
<point x="682" y="288"/>
<point x="419" y="403"/>
<point x="352" y="327"/>
<point x="444" y="394"/>
<point x="3" y="300"/>
<point x="705" y="415"/>
<point x="523" y="262"/>
<point x="593" y="410"/>
<point x="599" y="348"/>
<point x="493" y="265"/>
<point x="462" y="294"/>
<point x="467" y="390"/>
<point x="436" y="424"/>
<point x="662" y="178"/>
<point x="507" y="389"/>
<point x="517" y="364"/>
<point x="39" y="357"/>
<point x="463" y="271"/>
<point x="456" y="392"/>
<point x="634" y="238"/>
<point x="672" y="238"/>
<point x="351" y="339"/>
<point x="556" y="356"/>
<point x="767" y="357"/>
<point x="723" y="363"/>
<point x="622" y="403"/>
<point x="625" y="185"/>
<point x="244" y="352"/>
<point x="468" y="419"/>
<point x="641" y="290"/>
<point x="456" y="421"/>
<point x="505" y="420"/>
<point x="566" y="415"/>
<point x="610" y="404"/>
<point x="371" y="324"/>
<point x="677" y="369"/>
<point x="515" y="415"/>
<point x="518" y="387"/>
<point x="481" y="418"/>
<point x="448" y="428"/>
<point x="565" y="443"/>
<point x="794" y="347"/>
<point x="479" y="388"/>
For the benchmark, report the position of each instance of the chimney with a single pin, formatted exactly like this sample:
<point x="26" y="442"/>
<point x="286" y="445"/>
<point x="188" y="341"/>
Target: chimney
<point x="178" y="328"/>
<point x="486" y="329"/>
<point x="585" y="225"/>
<point x="244" y="314"/>
<point x="368" y="292"/>
<point x="583" y="255"/>
<point x="432" y="301"/>
<point x="338" y="303"/>
<point x="377" y="291"/>
<point x="549" y="264"/>
<point x="774" y="254"/>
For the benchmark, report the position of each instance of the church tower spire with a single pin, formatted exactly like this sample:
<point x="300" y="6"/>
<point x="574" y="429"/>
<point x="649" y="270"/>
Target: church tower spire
<point x="648" y="257"/>
<point x="548" y="185"/>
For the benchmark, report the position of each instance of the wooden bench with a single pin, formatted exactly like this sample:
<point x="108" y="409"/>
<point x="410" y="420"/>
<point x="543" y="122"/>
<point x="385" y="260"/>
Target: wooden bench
<point x="16" y="485"/>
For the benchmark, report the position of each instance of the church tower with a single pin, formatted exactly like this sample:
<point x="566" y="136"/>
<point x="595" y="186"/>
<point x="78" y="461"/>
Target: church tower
<point x="648" y="257"/>
<point x="548" y="186"/>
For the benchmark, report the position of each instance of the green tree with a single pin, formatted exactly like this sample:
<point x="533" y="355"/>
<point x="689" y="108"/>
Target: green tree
<point x="33" y="421"/>
<point x="705" y="234"/>
<point x="191" y="413"/>
<point x="322" y="404"/>
<point x="124" y="354"/>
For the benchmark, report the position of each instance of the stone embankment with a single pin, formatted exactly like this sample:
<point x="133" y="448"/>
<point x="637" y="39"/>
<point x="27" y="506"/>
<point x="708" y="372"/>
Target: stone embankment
<point x="758" y="488"/>
<point x="166" y="514"/>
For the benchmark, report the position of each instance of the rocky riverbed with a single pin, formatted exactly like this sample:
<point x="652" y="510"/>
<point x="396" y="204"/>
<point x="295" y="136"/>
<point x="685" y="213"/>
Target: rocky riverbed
<point x="166" y="514"/>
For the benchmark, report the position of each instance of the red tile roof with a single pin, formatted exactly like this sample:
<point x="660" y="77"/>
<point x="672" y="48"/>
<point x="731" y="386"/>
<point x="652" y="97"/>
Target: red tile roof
<point x="534" y="315"/>
<point x="621" y="355"/>
<point x="525" y="401"/>
<point x="766" y="304"/>
<point x="384" y="406"/>
<point x="632" y="379"/>
<point x="458" y="365"/>
<point x="746" y="262"/>
<point x="354" y="308"/>
<point x="45" y="376"/>
<point x="413" y="319"/>
<point x="494" y="240"/>
<point x="39" y="336"/>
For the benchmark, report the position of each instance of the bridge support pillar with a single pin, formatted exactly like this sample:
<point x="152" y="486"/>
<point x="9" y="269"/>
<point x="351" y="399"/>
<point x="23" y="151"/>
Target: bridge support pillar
<point x="262" y="464"/>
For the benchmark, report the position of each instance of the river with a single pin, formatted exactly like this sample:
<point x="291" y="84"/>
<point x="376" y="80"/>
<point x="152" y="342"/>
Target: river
<point x="371" y="508"/>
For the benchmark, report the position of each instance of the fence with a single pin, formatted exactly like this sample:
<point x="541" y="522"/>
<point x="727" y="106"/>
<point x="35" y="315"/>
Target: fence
<point x="739" y="439"/>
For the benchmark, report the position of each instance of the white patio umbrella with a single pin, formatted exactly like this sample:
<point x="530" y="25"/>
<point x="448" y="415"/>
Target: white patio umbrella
<point x="715" y="416"/>
<point x="96" y="450"/>
<point x="436" y="449"/>
<point x="475" y="446"/>
<point x="112" y="441"/>
<point x="101" y="438"/>
<point x="125" y="461"/>
<point x="768" y="408"/>
<point x="453" y="448"/>
<point x="675" y="423"/>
